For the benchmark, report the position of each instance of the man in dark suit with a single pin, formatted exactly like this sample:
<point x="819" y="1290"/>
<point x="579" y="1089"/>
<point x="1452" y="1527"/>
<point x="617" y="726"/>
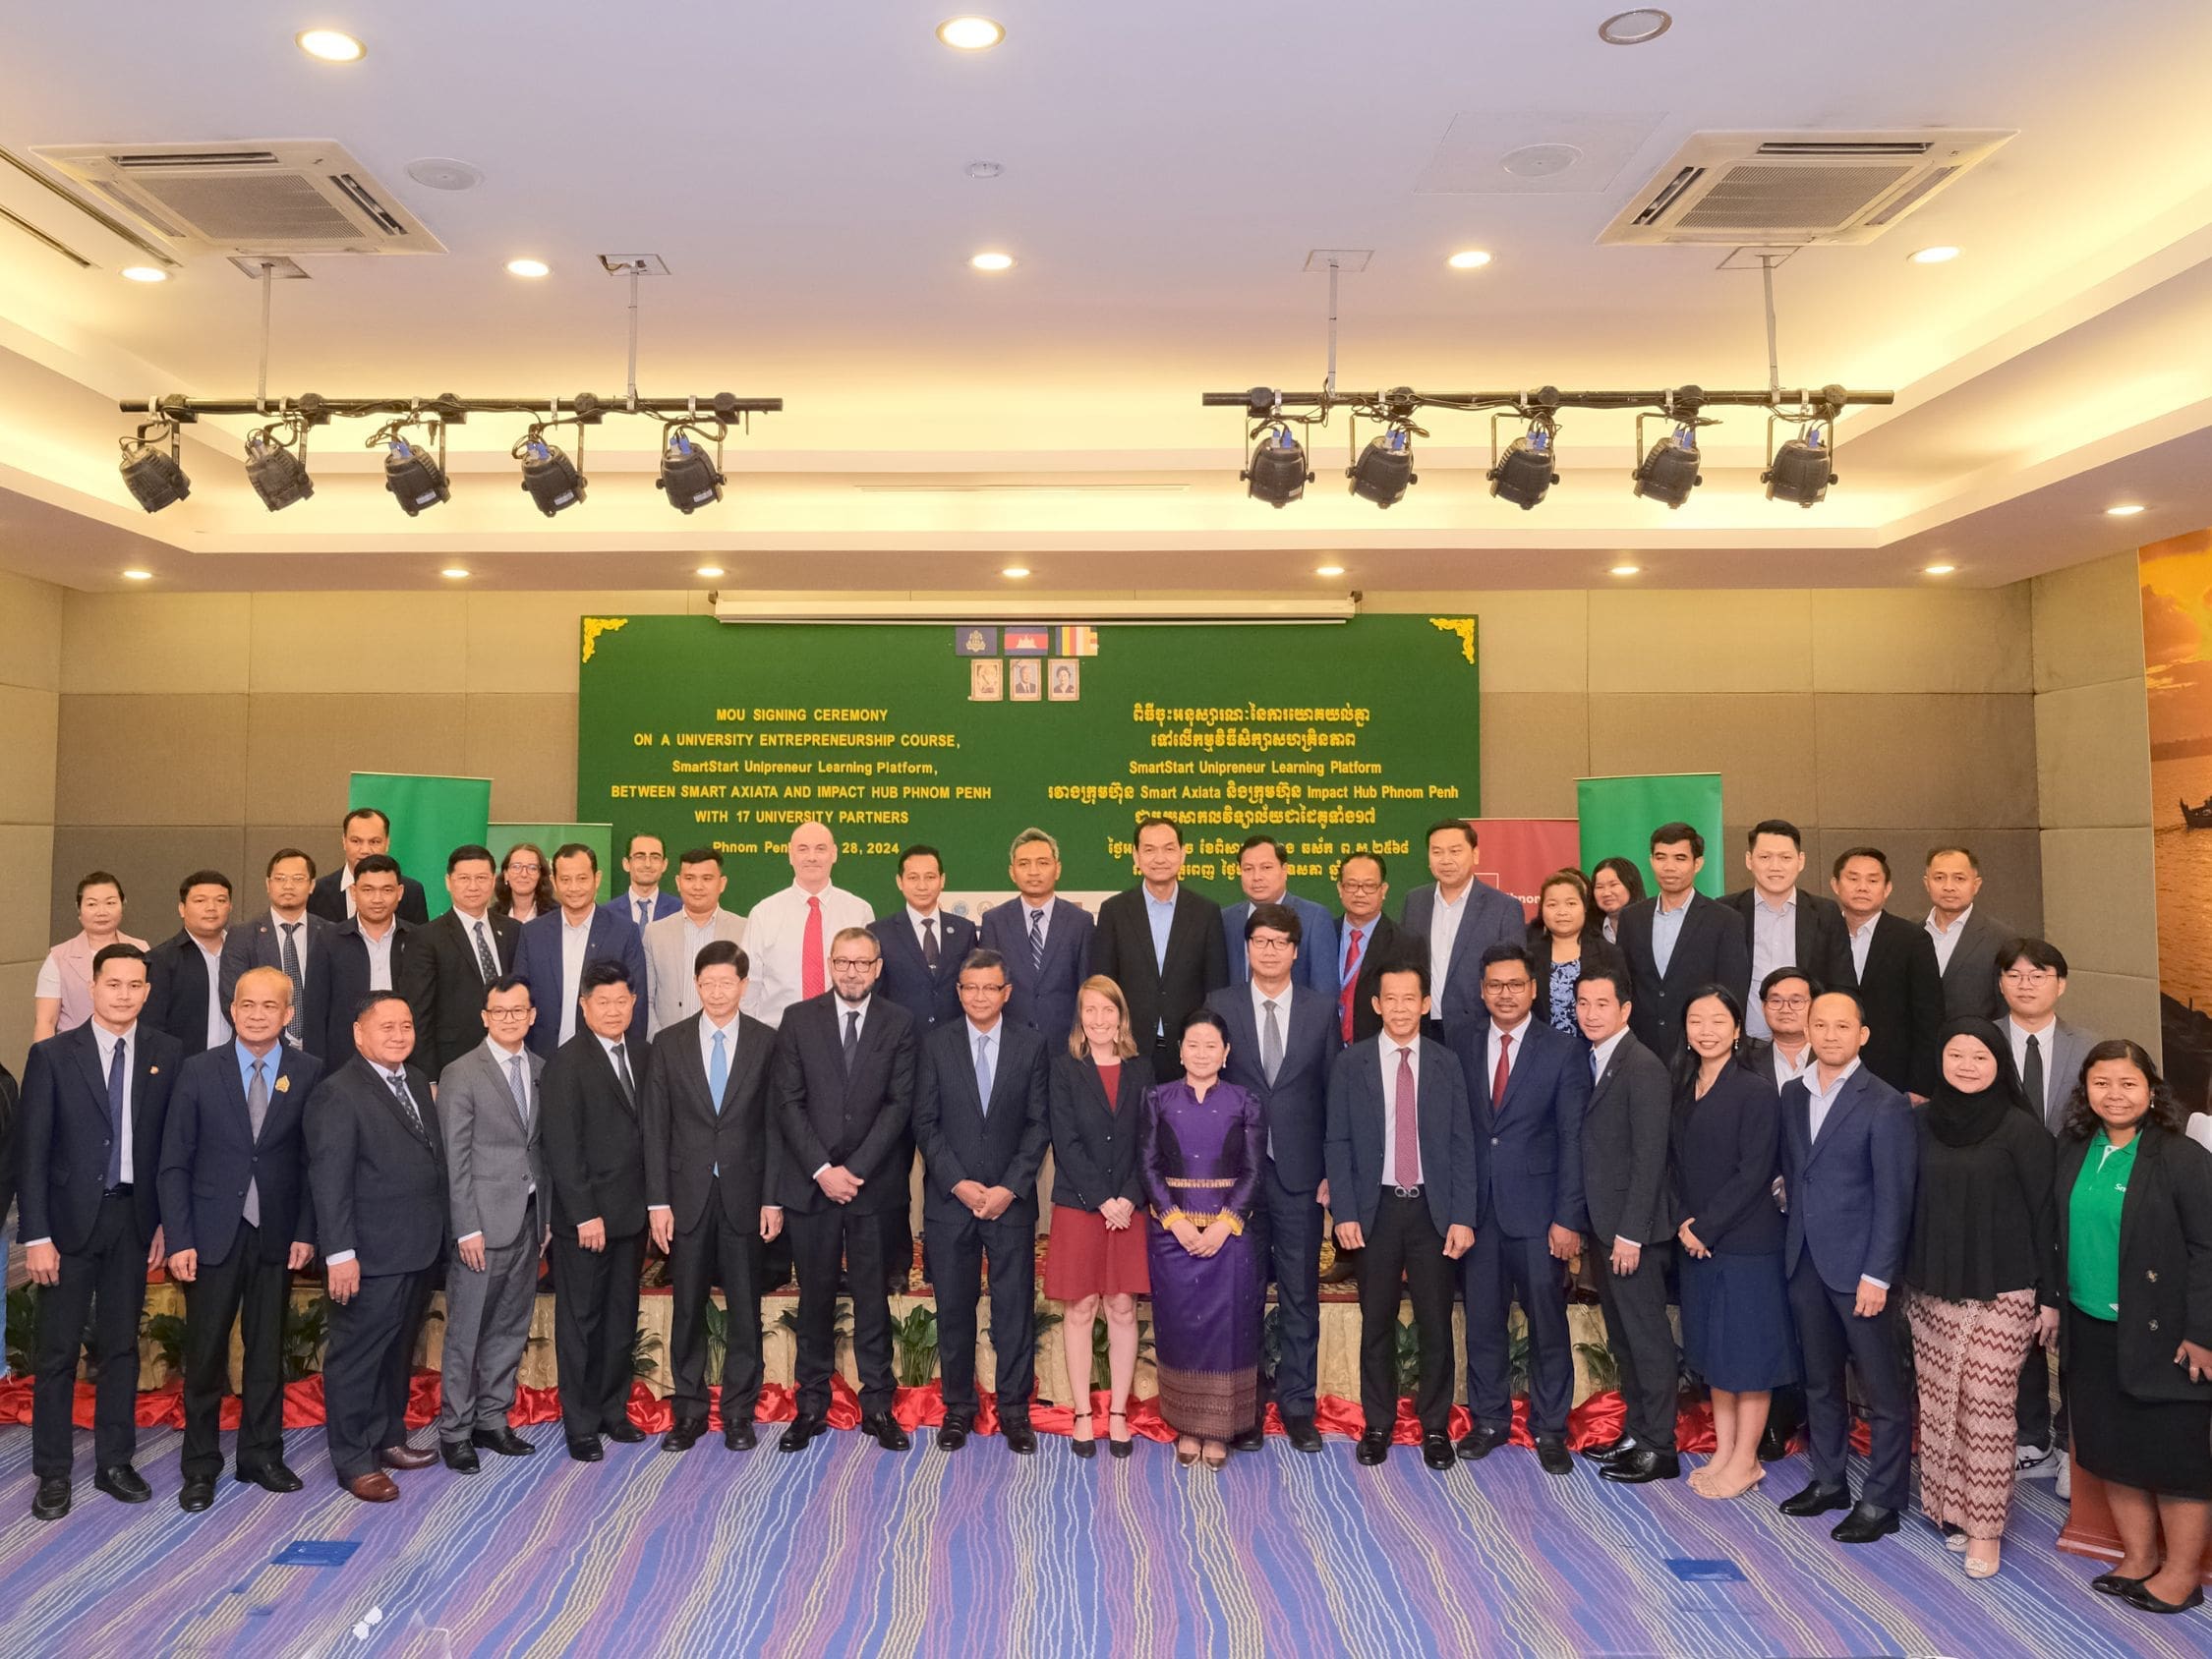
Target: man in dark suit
<point x="1965" y="935"/>
<point x="290" y="937"/>
<point x="1263" y="871"/>
<point x="1630" y="1203"/>
<point x="1529" y="1085"/>
<point x="1401" y="1163"/>
<point x="641" y="902"/>
<point x="185" y="969"/>
<point x="453" y="960"/>
<point x="1044" y="939"/>
<point x="1367" y="937"/>
<point x="1455" y="918"/>
<point x="1677" y="941"/>
<point x="1784" y="925"/>
<point x="376" y="1167"/>
<point x="368" y="950"/>
<point x="88" y="1148"/>
<point x="238" y="1221"/>
<point x="844" y="1099"/>
<point x="713" y="1168"/>
<point x="1161" y="942"/>
<point x="1283" y="1039"/>
<point x="595" y="1158"/>
<point x="1850" y="1159"/>
<point x="923" y="947"/>
<point x="558" y="950"/>
<point x="980" y="1116"/>
<point x="1893" y="971"/>
<point x="365" y="830"/>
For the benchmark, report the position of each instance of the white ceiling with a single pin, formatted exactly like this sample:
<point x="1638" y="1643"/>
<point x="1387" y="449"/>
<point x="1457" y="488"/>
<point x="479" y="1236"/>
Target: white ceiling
<point x="1167" y="168"/>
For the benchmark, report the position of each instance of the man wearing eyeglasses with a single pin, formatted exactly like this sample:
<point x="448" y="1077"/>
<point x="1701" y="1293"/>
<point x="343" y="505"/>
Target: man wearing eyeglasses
<point x="1786" y="997"/>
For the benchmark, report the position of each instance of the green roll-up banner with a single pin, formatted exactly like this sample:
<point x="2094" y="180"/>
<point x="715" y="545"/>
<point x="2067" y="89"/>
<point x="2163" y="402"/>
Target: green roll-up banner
<point x="1619" y="814"/>
<point x="429" y="817"/>
<point x="551" y="837"/>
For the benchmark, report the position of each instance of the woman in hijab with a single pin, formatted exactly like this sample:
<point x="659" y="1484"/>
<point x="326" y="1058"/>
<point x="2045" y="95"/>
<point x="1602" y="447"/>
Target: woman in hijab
<point x="1981" y="1282"/>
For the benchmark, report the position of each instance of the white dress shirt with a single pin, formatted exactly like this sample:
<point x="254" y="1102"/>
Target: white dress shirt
<point x="1862" y="936"/>
<point x="277" y="924"/>
<point x="1946" y="939"/>
<point x="1390" y="1051"/>
<point x="345" y="885"/>
<point x="218" y="1023"/>
<point x="1513" y="1056"/>
<point x="935" y="921"/>
<point x="1444" y="917"/>
<point x="575" y="939"/>
<point x="1602" y="1055"/>
<point x="1039" y="916"/>
<point x="1774" y="944"/>
<point x="380" y="952"/>
<point x="2045" y="1036"/>
<point x="775" y="933"/>
<point x="1789" y="1070"/>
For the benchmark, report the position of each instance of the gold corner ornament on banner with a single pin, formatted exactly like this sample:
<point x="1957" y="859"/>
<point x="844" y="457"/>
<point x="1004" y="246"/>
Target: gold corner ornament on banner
<point x="1461" y="627"/>
<point x="594" y="626"/>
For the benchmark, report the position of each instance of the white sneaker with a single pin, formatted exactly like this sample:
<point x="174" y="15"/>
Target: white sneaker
<point x="2066" y="1478"/>
<point x="2036" y="1462"/>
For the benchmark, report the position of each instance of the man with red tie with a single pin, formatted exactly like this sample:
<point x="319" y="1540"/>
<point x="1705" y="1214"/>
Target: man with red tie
<point x="788" y="935"/>
<point x="1366" y="938"/>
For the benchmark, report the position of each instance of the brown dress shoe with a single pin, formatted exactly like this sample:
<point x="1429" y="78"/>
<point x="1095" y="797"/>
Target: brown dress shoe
<point x="405" y="1456"/>
<point x="375" y="1487"/>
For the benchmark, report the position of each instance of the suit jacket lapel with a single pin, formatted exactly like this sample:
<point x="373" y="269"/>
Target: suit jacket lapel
<point x="89" y="1055"/>
<point x="1846" y="1103"/>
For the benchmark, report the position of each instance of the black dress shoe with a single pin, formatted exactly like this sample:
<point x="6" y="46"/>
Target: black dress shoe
<point x="1773" y="1445"/>
<point x="624" y="1433"/>
<point x="1605" y="1451"/>
<point x="1817" y="1499"/>
<point x="1373" y="1448"/>
<point x="1553" y="1455"/>
<point x="122" y="1483"/>
<point x="1021" y="1438"/>
<point x="884" y="1428"/>
<point x="1865" y="1523"/>
<point x="1302" y="1434"/>
<point x="740" y="1436"/>
<point x="503" y="1440"/>
<point x="1436" y="1451"/>
<point x="53" y="1502"/>
<point x="195" y="1495"/>
<point x="685" y="1434"/>
<point x="2113" y="1584"/>
<point x="2141" y="1598"/>
<point x="585" y="1449"/>
<point x="1479" y="1442"/>
<point x="952" y="1433"/>
<point x="802" y="1429"/>
<point x="459" y="1455"/>
<point x="275" y="1476"/>
<point x="1253" y="1439"/>
<point x="1641" y="1467"/>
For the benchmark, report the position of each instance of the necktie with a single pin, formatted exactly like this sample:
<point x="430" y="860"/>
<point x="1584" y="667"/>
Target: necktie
<point x="1351" y="980"/>
<point x="519" y="1081"/>
<point x="622" y="1073"/>
<point x="984" y="1072"/>
<point x="929" y="943"/>
<point x="1594" y="1068"/>
<point x="2031" y="1077"/>
<point x="644" y="911"/>
<point x="487" y="964"/>
<point x="1270" y="1041"/>
<point x="717" y="1070"/>
<point x="257" y="1109"/>
<point x="1037" y="940"/>
<point x="115" y="1064"/>
<point x="289" y="955"/>
<point x="812" y="953"/>
<point x="851" y="1035"/>
<point x="1407" y="1125"/>
<point x="1504" y="1067"/>
<point x="399" y="1082"/>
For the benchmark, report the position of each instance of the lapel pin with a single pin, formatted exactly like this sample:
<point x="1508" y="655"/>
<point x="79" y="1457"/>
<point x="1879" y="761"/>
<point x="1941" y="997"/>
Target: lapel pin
<point x="284" y="1085"/>
<point x="154" y="1071"/>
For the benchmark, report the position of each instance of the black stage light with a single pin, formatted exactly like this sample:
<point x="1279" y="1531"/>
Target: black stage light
<point x="153" y="479"/>
<point x="1277" y="474"/>
<point x="688" y="475"/>
<point x="1669" y="470"/>
<point x="414" y="477"/>
<point x="1799" y="470"/>
<point x="1524" y="474"/>
<point x="1384" y="468"/>
<point x="278" y="475"/>
<point x="550" y="478"/>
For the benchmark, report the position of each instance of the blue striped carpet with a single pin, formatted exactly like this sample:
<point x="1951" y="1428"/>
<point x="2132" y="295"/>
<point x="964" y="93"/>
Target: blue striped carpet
<point x="849" y="1550"/>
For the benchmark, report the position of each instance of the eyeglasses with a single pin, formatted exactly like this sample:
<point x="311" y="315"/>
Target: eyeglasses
<point x="849" y="962"/>
<point x="524" y="869"/>
<point x="2024" y="977"/>
<point x="1790" y="1001"/>
<point x="1359" y="887"/>
<point x="1261" y="942"/>
<point x="508" y="1013"/>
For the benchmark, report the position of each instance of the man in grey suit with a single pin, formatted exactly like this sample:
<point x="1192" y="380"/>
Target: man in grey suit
<point x="1453" y="920"/>
<point x="495" y="1172"/>
<point x="672" y="943"/>
<point x="1965" y="936"/>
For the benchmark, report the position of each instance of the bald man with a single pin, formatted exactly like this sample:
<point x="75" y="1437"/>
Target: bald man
<point x="788" y="935"/>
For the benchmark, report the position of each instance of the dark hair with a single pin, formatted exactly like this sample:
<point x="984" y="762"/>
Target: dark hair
<point x="99" y="879"/>
<point x="1382" y="870"/>
<point x="1845" y="857"/>
<point x="700" y="855"/>
<point x="1812" y="986"/>
<point x="719" y="953"/>
<point x="1857" y="1002"/>
<point x="382" y="818"/>
<point x="2079" y="1121"/>
<point x="1267" y="841"/>
<point x="1405" y="962"/>
<point x="1671" y="835"/>
<point x="202" y="878"/>
<point x="1593" y="919"/>
<point x="1611" y="967"/>
<point x="116" y="952"/>
<point x="1502" y="952"/>
<point x="379" y="863"/>
<point x="361" y="1008"/>
<point x="1144" y="823"/>
<point x="1774" y="827"/>
<point x="469" y="854"/>
<point x="1684" y="1066"/>
<point x="605" y="970"/>
<point x="282" y="854"/>
<point x="984" y="958"/>
<point x="1460" y="824"/>
<point x="541" y="890"/>
<point x="570" y="849"/>
<point x="508" y="981"/>
<point x="2037" y="952"/>
<point x="1967" y="854"/>
<point x="1201" y="1015"/>
<point x="1281" y="917"/>
<point x="921" y="850"/>
<point x="636" y="836"/>
<point x="1624" y="872"/>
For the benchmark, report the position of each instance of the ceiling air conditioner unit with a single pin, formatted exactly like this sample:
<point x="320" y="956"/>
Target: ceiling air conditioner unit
<point x="276" y="197"/>
<point x="1728" y="189"/>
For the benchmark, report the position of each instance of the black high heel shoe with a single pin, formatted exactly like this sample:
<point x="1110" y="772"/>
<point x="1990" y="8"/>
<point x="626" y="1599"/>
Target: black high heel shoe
<point x="1082" y="1447"/>
<point x="1119" y="1448"/>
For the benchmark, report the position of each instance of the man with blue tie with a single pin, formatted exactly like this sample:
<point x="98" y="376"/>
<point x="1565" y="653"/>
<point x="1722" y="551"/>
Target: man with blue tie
<point x="1282" y="1040"/>
<point x="1850" y="1159"/>
<point x="642" y="902"/>
<point x="239" y="1220"/>
<point x="1043" y="939"/>
<point x="1263" y="871"/>
<point x="559" y="946"/>
<point x="1454" y="919"/>
<point x="980" y="1117"/>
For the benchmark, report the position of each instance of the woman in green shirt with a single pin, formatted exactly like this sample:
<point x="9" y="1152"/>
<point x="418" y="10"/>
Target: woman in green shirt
<point x="2134" y="1202"/>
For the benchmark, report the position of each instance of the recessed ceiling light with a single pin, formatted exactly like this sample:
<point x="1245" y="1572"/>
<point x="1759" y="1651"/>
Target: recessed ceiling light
<point x="709" y="570"/>
<point x="332" y="45"/>
<point x="1633" y="29"/>
<point x="985" y="169"/>
<point x="2126" y="509"/>
<point x="1328" y="570"/>
<point x="1016" y="570"/>
<point x="1938" y="569"/>
<point x="1627" y="570"/>
<point x="971" y="34"/>
<point x="453" y="573"/>
<point x="528" y="268"/>
<point x="992" y="261"/>
<point x="445" y="172"/>
<point x="1469" y="259"/>
<point x="144" y="274"/>
<point x="137" y="576"/>
<point x="1935" y="256"/>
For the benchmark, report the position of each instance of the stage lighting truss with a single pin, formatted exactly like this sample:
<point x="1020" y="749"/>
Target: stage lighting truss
<point x="155" y="479"/>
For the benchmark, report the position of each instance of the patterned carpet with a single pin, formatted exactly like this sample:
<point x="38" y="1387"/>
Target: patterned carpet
<point x="849" y="1550"/>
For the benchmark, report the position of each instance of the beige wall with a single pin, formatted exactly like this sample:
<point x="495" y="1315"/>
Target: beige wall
<point x="31" y="654"/>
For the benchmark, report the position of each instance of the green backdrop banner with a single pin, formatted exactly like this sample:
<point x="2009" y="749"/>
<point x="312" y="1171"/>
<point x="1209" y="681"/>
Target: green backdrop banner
<point x="1332" y="737"/>
<point x="429" y="817"/>
<point x="1619" y="814"/>
<point x="551" y="837"/>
